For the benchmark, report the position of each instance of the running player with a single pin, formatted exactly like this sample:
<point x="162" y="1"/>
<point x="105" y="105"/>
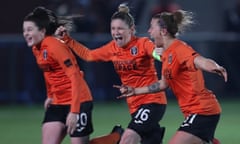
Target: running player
<point x="182" y="71"/>
<point x="133" y="61"/>
<point x="69" y="101"/>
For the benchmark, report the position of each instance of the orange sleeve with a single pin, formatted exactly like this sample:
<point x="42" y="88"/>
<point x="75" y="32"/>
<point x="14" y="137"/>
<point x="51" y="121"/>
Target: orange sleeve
<point x="186" y="56"/>
<point x="80" y="91"/>
<point x="99" y="54"/>
<point x="66" y="60"/>
<point x="148" y="45"/>
<point x="82" y="51"/>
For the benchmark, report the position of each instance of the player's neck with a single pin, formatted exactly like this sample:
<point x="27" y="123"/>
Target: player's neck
<point x="167" y="42"/>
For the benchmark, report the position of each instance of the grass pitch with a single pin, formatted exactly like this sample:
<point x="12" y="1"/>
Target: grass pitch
<point x="21" y="124"/>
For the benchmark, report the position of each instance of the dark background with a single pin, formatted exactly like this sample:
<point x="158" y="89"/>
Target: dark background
<point x="215" y="35"/>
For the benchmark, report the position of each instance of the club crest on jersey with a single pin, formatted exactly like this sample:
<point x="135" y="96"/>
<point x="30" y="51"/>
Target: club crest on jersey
<point x="134" y="51"/>
<point x="170" y="58"/>
<point x="45" y="54"/>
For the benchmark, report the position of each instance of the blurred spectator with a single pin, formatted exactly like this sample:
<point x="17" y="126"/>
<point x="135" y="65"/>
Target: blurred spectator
<point x="60" y="7"/>
<point x="232" y="18"/>
<point x="96" y="13"/>
<point x="94" y="19"/>
<point x="165" y="6"/>
<point x="232" y="24"/>
<point x="86" y="23"/>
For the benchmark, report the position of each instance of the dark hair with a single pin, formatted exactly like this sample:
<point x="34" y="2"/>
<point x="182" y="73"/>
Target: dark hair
<point x="45" y="18"/>
<point x="175" y="22"/>
<point x="123" y="14"/>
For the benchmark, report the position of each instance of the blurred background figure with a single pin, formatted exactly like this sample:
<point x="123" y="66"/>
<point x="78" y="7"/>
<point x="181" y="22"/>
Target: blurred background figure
<point x="165" y="5"/>
<point x="232" y="18"/>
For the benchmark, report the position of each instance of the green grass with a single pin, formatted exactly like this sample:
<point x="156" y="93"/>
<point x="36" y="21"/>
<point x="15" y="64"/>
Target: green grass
<point x="22" y="124"/>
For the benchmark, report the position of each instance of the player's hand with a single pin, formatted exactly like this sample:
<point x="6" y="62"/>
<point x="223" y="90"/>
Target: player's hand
<point x="222" y="72"/>
<point x="47" y="102"/>
<point x="71" y="122"/>
<point x="126" y="91"/>
<point x="61" y="32"/>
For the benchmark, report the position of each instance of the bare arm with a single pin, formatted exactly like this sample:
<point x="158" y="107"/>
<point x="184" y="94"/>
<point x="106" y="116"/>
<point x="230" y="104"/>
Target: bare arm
<point x="211" y="66"/>
<point x="155" y="87"/>
<point x="127" y="91"/>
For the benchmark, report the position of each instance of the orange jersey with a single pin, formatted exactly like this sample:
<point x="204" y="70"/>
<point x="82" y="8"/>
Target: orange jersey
<point x="186" y="81"/>
<point x="133" y="63"/>
<point x="64" y="82"/>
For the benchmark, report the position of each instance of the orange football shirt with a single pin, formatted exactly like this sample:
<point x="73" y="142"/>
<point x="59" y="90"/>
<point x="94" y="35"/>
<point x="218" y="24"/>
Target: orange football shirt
<point x="64" y="81"/>
<point x="133" y="63"/>
<point x="187" y="82"/>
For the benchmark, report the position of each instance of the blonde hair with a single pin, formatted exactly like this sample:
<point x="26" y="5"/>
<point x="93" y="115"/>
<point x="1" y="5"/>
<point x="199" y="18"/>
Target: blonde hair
<point x="123" y="8"/>
<point x="123" y="13"/>
<point x="184" y="19"/>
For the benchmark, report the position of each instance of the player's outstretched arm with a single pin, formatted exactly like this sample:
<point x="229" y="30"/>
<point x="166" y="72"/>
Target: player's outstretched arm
<point x="127" y="91"/>
<point x="210" y="65"/>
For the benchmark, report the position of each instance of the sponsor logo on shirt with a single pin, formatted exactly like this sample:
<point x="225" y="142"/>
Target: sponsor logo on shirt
<point x="167" y="74"/>
<point x="45" y="67"/>
<point x="126" y="65"/>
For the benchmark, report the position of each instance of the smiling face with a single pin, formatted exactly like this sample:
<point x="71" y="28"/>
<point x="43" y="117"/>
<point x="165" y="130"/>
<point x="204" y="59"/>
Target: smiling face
<point x="155" y="32"/>
<point x="32" y="34"/>
<point x="121" y="32"/>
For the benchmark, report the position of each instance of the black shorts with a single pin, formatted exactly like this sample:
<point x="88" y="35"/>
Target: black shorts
<point x="202" y="126"/>
<point x="60" y="112"/>
<point x="145" y="120"/>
